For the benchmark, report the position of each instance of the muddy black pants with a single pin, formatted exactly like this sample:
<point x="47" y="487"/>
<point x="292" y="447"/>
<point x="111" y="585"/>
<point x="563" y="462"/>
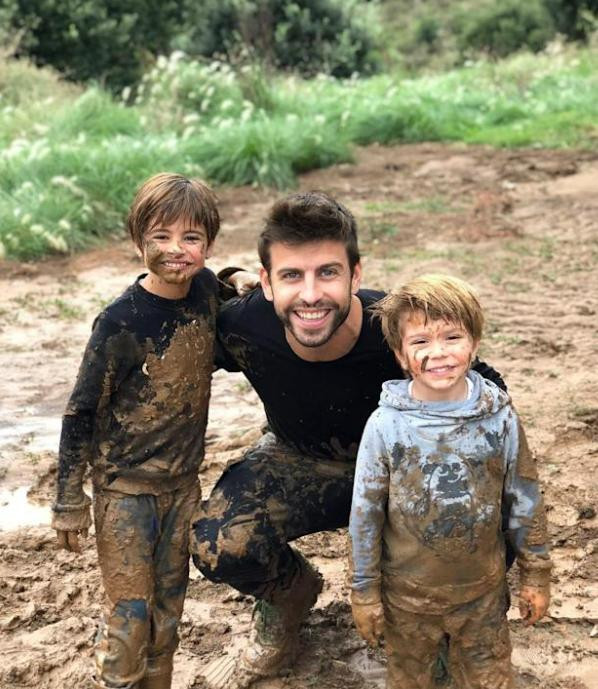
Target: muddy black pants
<point x="142" y="543"/>
<point x="272" y="496"/>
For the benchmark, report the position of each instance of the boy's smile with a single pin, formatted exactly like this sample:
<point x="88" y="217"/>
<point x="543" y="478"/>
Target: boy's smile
<point x="173" y="254"/>
<point x="437" y="354"/>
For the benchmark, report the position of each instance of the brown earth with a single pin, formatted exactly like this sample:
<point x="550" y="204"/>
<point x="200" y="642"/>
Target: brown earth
<point x="521" y="225"/>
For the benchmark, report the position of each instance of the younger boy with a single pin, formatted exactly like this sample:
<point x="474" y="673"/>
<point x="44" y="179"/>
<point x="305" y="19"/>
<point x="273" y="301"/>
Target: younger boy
<point x="442" y="462"/>
<point x="137" y="415"/>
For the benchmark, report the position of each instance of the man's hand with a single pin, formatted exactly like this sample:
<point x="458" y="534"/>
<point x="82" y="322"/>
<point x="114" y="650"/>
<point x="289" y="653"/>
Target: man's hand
<point x="533" y="603"/>
<point x="369" y="620"/>
<point x="244" y="281"/>
<point x="69" y="540"/>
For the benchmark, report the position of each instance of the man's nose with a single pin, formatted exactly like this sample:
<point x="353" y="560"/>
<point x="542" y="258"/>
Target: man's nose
<point x="310" y="290"/>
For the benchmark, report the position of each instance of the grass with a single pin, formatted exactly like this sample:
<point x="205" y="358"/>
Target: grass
<point x="70" y="160"/>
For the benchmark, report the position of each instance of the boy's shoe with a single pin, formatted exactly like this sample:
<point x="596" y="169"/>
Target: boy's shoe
<point x="274" y="637"/>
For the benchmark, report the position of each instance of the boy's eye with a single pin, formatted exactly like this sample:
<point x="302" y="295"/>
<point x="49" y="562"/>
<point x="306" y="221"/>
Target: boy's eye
<point x="418" y="342"/>
<point x="455" y="336"/>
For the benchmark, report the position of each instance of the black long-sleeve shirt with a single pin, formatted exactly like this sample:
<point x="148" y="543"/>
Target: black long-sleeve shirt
<point x="138" y="411"/>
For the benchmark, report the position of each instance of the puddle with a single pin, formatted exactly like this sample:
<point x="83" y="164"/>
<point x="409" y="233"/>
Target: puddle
<point x="38" y="433"/>
<point x="372" y="670"/>
<point x="16" y="510"/>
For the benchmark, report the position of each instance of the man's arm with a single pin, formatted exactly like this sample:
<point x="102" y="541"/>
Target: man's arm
<point x="489" y="373"/>
<point x="527" y="529"/>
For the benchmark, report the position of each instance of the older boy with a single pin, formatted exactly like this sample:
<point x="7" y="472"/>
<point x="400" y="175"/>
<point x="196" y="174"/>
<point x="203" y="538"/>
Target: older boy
<point x="137" y="415"/>
<point x="441" y="460"/>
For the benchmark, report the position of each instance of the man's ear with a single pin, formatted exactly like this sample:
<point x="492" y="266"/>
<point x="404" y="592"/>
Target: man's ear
<point x="266" y="286"/>
<point x="356" y="278"/>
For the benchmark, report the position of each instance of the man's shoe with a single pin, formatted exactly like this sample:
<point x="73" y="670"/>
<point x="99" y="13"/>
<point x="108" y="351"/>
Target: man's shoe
<point x="274" y="637"/>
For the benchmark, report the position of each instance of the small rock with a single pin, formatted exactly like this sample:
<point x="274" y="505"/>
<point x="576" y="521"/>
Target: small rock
<point x="594" y="631"/>
<point x="586" y="512"/>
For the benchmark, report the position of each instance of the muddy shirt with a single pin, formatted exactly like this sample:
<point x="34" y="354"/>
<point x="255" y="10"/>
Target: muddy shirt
<point x="433" y="482"/>
<point x="138" y="411"/>
<point x="319" y="408"/>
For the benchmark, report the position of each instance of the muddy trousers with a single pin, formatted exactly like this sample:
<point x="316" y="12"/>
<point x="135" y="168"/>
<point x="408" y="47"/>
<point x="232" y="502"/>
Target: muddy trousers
<point x="142" y="543"/>
<point x="478" y="644"/>
<point x="272" y="496"/>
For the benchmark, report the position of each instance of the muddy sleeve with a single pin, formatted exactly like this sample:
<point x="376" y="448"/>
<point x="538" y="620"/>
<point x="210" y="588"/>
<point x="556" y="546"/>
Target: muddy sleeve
<point x="93" y="387"/>
<point x="489" y="373"/>
<point x="524" y="505"/>
<point x="368" y="510"/>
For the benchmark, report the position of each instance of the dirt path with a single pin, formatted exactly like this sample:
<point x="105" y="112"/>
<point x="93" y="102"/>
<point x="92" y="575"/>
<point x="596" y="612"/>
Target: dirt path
<point x="522" y="226"/>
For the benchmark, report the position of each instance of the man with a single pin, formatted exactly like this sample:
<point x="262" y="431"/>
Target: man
<point x="317" y="360"/>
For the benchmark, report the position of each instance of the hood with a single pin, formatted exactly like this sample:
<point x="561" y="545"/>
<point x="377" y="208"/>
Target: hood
<point x="486" y="399"/>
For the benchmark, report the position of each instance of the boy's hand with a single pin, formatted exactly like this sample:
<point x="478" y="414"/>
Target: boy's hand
<point x="69" y="540"/>
<point x="533" y="604"/>
<point x="369" y="620"/>
<point x="244" y="281"/>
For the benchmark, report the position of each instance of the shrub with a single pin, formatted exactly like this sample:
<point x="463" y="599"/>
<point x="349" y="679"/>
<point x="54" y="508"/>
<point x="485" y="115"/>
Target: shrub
<point x="310" y="36"/>
<point x="573" y="18"/>
<point x="107" y="40"/>
<point x="506" y="28"/>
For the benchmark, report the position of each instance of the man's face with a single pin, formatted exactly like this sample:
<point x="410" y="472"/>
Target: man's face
<point x="311" y="286"/>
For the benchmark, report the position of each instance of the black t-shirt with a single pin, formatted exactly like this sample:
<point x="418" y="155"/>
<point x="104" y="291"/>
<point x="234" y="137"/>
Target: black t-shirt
<point x="320" y="408"/>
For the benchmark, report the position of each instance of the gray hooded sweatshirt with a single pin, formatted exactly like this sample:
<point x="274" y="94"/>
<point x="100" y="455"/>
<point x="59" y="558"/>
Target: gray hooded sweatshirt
<point x="434" y="482"/>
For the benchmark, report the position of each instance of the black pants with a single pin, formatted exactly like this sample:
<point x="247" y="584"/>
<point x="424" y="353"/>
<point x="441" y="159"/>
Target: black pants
<point x="274" y="495"/>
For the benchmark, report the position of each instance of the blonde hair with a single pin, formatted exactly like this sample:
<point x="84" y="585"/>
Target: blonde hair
<point x="437" y="297"/>
<point x="168" y="197"/>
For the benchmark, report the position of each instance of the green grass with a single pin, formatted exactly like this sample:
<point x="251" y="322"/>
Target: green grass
<point x="70" y="160"/>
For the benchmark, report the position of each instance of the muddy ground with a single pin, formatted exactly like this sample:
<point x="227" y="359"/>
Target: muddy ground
<point x="522" y="226"/>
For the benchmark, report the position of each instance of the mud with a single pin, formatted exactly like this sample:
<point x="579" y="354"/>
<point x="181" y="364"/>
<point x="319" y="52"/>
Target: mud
<point x="523" y="231"/>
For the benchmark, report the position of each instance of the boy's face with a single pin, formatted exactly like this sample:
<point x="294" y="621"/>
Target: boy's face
<point x="437" y="354"/>
<point x="173" y="254"/>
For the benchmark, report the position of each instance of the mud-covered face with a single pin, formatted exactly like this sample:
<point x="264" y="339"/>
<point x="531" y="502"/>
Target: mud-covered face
<point x="173" y="254"/>
<point x="437" y="354"/>
<point x="311" y="286"/>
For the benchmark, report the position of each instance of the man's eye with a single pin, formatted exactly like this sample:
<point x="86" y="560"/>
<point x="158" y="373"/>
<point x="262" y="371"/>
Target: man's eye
<point x="328" y="272"/>
<point x="290" y="275"/>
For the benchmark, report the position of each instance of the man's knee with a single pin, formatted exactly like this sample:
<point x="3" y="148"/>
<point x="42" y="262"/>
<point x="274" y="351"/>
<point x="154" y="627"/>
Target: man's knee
<point x="230" y="550"/>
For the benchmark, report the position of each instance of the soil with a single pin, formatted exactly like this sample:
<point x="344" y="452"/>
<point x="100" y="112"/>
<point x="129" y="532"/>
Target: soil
<point x="521" y="225"/>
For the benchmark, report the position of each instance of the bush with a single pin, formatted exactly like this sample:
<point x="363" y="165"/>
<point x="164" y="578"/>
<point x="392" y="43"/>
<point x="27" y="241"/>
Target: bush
<point x="107" y="40"/>
<point x="310" y="36"/>
<point x="573" y="18"/>
<point x="506" y="28"/>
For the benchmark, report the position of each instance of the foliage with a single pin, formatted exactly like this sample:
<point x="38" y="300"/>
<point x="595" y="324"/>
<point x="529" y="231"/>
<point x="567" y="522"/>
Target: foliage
<point x="108" y="40"/>
<point x="309" y="36"/>
<point x="69" y="165"/>
<point x="573" y="18"/>
<point x="506" y="28"/>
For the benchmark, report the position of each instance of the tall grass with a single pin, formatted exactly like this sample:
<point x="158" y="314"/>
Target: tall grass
<point x="71" y="159"/>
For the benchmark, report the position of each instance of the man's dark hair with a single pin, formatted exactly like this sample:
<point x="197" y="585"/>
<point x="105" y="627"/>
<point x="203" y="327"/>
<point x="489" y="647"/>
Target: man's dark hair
<point x="308" y="217"/>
